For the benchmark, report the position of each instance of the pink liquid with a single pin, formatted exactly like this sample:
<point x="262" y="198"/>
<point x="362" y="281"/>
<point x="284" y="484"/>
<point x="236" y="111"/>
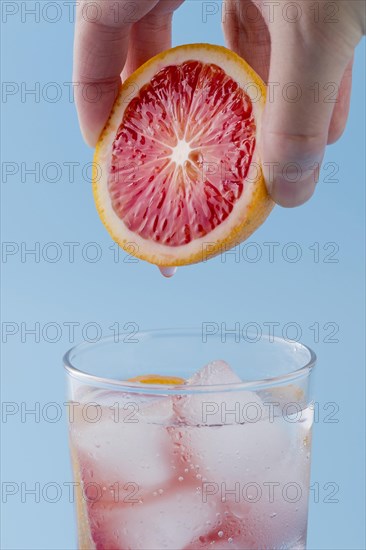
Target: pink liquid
<point x="151" y="478"/>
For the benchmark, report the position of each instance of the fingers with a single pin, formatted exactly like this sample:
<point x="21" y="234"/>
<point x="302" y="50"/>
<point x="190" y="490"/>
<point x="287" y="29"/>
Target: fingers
<point x="151" y="35"/>
<point x="246" y="33"/>
<point x="148" y="37"/>
<point x="100" y="52"/>
<point x="297" y="118"/>
<point x="341" y="107"/>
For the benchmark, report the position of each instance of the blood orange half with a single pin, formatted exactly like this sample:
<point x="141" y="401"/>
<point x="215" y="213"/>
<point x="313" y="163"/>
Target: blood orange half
<point x="177" y="172"/>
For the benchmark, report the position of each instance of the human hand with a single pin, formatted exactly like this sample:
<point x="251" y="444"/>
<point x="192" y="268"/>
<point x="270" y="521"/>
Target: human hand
<point x="114" y="37"/>
<point x="304" y="51"/>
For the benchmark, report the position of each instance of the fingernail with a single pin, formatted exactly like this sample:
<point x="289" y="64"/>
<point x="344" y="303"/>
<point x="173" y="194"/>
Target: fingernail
<point x="293" y="185"/>
<point x="288" y="194"/>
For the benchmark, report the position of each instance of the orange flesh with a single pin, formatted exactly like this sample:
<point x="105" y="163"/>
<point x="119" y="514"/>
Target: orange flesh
<point x="182" y="153"/>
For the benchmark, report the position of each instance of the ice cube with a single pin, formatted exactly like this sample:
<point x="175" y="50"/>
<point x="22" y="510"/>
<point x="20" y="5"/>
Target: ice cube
<point x="253" y="533"/>
<point x="226" y="406"/>
<point x="211" y="442"/>
<point x="231" y="534"/>
<point x="283" y="398"/>
<point x="171" y="520"/>
<point x="231" y="448"/>
<point x="258" y="471"/>
<point x="128" y="406"/>
<point x="252" y="452"/>
<point x="216" y="372"/>
<point x="127" y="443"/>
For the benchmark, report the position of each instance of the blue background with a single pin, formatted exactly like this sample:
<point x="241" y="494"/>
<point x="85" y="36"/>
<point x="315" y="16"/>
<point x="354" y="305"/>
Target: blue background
<point x="105" y="292"/>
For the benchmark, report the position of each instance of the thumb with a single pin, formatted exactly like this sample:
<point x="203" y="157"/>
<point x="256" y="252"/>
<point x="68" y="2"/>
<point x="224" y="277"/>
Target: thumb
<point x="302" y="91"/>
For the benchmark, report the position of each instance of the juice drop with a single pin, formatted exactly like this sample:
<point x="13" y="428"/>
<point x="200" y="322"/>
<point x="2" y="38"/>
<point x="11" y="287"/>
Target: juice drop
<point x="168" y="271"/>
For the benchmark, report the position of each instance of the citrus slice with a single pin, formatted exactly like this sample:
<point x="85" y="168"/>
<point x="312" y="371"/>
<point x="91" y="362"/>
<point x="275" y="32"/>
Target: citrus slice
<point x="177" y="175"/>
<point x="158" y="379"/>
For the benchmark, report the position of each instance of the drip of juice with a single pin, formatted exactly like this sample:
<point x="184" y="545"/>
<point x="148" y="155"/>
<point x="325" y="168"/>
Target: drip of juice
<point x="168" y="271"/>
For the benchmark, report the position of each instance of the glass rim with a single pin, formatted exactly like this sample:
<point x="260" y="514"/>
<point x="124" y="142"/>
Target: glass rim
<point x="136" y="387"/>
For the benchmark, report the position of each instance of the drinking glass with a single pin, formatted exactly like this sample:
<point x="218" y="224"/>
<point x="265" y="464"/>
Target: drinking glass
<point x="219" y="460"/>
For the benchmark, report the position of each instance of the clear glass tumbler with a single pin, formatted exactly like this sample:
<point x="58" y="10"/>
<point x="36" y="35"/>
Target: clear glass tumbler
<point x="221" y="461"/>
